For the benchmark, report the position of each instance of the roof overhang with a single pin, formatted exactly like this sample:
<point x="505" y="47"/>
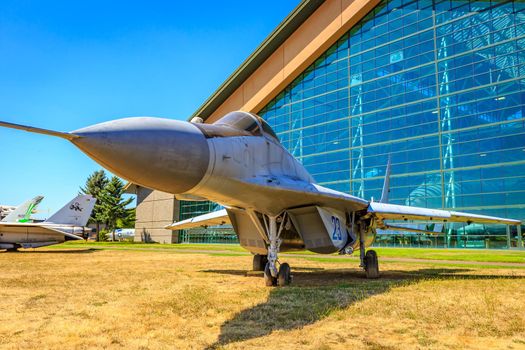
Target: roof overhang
<point x="130" y="188"/>
<point x="254" y="61"/>
<point x="311" y="28"/>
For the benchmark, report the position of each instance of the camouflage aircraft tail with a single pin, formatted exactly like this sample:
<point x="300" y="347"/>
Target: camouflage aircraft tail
<point x="23" y="212"/>
<point x="76" y="212"/>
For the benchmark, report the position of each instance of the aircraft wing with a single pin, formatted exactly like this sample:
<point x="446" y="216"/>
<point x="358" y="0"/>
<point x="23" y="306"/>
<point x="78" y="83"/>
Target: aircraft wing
<point x="215" y="218"/>
<point x="299" y="193"/>
<point x="287" y="193"/>
<point x="284" y="192"/>
<point x="384" y="211"/>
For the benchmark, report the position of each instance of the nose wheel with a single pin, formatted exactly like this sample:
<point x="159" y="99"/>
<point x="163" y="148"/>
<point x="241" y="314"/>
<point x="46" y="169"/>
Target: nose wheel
<point x="274" y="276"/>
<point x="284" y="276"/>
<point x="269" y="280"/>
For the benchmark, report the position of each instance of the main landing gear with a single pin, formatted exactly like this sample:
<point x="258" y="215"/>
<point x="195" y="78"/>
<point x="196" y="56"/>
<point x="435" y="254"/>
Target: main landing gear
<point x="259" y="262"/>
<point x="274" y="226"/>
<point x="371" y="264"/>
<point x="369" y="258"/>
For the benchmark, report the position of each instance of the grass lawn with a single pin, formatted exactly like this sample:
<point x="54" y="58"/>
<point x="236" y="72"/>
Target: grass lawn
<point x="163" y="299"/>
<point x="480" y="255"/>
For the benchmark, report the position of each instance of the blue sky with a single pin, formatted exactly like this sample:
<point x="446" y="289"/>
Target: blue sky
<point x="69" y="64"/>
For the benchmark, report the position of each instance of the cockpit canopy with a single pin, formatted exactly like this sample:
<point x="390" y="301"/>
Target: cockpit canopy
<point x="239" y="123"/>
<point x="249" y="122"/>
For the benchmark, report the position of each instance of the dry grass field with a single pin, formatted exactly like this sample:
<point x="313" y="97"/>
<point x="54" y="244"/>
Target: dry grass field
<point x="125" y="299"/>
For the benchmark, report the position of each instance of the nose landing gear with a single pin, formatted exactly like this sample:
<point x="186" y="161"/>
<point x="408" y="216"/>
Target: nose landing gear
<point x="274" y="226"/>
<point x="284" y="276"/>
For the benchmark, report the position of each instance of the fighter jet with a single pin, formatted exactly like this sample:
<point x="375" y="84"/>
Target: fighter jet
<point x="66" y="224"/>
<point x="271" y="200"/>
<point x="23" y="212"/>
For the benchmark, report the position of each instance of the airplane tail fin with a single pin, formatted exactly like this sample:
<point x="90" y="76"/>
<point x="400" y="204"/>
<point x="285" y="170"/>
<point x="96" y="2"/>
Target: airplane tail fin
<point x="386" y="184"/>
<point x="23" y="212"/>
<point x="76" y="212"/>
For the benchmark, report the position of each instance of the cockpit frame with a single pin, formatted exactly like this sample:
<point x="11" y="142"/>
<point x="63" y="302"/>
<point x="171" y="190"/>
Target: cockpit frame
<point x="238" y="123"/>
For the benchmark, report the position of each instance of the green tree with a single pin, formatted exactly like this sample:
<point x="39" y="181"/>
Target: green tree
<point x="114" y="206"/>
<point x="129" y="221"/>
<point x="95" y="185"/>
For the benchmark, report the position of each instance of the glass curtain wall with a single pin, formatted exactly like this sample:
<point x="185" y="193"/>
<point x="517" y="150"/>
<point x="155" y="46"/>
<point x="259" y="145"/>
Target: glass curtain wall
<point x="436" y="85"/>
<point x="219" y="234"/>
<point x="439" y="86"/>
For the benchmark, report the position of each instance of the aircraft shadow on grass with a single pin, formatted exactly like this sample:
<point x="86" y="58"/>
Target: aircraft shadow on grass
<point x="316" y="294"/>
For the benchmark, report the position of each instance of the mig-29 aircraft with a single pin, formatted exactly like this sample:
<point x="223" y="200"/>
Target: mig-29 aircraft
<point x="271" y="200"/>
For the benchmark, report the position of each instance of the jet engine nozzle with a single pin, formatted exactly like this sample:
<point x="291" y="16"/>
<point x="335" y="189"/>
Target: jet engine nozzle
<point x="162" y="154"/>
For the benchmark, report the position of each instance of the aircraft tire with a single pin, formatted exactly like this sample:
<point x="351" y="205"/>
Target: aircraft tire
<point x="259" y="262"/>
<point x="372" y="264"/>
<point x="269" y="280"/>
<point x="12" y="250"/>
<point x="284" y="277"/>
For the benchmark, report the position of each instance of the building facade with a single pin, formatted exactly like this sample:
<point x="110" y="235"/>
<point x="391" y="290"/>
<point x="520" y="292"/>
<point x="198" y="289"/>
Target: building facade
<point x="437" y="86"/>
<point x="5" y="210"/>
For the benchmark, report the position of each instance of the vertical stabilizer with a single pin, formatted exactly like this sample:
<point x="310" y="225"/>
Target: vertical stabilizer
<point x="386" y="184"/>
<point x="76" y="212"/>
<point x="23" y="212"/>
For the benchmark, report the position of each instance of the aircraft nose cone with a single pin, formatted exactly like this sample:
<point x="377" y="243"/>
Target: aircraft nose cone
<point x="162" y="154"/>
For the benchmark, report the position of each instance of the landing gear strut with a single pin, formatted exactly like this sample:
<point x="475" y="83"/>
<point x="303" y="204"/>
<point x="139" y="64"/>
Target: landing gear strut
<point x="369" y="258"/>
<point x="274" y="226"/>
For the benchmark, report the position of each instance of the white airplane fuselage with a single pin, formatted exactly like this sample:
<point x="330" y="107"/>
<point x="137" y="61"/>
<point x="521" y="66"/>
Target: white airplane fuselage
<point x="36" y="235"/>
<point x="235" y="161"/>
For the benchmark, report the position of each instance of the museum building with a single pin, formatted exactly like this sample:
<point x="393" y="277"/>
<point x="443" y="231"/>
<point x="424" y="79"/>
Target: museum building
<point x="439" y="86"/>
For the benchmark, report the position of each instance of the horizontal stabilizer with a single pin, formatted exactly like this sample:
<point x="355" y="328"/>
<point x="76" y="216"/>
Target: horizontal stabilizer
<point x="63" y="231"/>
<point x="63" y="135"/>
<point x="383" y="211"/>
<point x="215" y="218"/>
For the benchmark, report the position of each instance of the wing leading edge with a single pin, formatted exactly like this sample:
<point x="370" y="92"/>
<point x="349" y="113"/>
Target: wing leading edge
<point x="383" y="211"/>
<point x="299" y="193"/>
<point x="215" y="218"/>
